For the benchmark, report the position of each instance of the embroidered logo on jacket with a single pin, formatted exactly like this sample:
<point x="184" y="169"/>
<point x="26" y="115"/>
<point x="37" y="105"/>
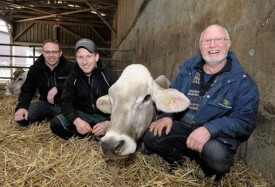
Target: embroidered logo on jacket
<point x="225" y="103"/>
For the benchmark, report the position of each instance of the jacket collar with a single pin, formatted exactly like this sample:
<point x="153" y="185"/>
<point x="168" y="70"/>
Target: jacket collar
<point x="226" y="68"/>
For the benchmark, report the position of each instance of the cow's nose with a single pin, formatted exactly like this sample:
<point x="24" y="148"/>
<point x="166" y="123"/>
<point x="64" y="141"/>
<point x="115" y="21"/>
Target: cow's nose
<point x="119" y="145"/>
<point x="112" y="146"/>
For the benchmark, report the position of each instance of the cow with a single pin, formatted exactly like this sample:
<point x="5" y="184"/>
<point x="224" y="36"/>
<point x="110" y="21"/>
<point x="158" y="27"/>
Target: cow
<point x="133" y="102"/>
<point x="13" y="88"/>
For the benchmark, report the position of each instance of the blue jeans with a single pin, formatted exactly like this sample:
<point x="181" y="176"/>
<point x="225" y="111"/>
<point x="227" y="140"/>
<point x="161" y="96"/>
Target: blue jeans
<point x="39" y="111"/>
<point x="215" y="158"/>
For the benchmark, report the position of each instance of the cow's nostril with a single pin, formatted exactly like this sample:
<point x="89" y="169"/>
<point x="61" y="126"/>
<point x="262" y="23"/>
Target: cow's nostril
<point x="112" y="146"/>
<point x="119" y="145"/>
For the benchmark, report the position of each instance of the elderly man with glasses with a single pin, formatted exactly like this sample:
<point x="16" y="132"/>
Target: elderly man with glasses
<point x="47" y="75"/>
<point x="223" y="111"/>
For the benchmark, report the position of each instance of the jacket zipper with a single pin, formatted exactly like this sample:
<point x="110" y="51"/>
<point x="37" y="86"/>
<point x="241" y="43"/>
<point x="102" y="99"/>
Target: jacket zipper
<point x="51" y="80"/>
<point x="54" y="78"/>
<point x="91" y="84"/>
<point x="48" y="79"/>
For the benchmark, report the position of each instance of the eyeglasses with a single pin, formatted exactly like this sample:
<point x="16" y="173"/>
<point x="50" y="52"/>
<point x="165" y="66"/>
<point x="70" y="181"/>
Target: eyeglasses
<point x="51" y="52"/>
<point x="215" y="40"/>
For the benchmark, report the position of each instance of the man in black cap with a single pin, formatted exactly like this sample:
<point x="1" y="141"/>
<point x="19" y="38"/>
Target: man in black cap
<point x="89" y="80"/>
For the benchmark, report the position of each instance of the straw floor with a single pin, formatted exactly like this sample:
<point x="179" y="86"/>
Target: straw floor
<point x="33" y="156"/>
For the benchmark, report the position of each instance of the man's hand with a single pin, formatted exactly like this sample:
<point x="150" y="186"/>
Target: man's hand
<point x="101" y="128"/>
<point x="198" y="138"/>
<point x="82" y="126"/>
<point x="21" y="114"/>
<point x="157" y="126"/>
<point x="51" y="94"/>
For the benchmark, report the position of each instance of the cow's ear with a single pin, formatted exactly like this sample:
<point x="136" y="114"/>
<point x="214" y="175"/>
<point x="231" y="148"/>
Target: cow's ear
<point x="162" y="81"/>
<point x="170" y="100"/>
<point x="103" y="103"/>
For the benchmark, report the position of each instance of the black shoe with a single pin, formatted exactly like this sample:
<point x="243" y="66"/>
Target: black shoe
<point x="219" y="176"/>
<point x="175" y="165"/>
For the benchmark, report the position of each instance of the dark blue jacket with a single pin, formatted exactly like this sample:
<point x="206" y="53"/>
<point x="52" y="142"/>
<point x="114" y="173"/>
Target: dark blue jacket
<point x="229" y="109"/>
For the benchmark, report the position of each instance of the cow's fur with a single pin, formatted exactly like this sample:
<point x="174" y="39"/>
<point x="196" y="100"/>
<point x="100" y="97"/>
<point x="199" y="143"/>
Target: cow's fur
<point x="131" y="101"/>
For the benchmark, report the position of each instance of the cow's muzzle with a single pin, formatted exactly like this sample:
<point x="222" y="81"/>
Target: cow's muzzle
<point x="112" y="147"/>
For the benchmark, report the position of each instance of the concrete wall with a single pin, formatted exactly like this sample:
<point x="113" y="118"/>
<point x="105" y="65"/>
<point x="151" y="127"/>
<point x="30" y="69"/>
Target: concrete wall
<point x="164" y="34"/>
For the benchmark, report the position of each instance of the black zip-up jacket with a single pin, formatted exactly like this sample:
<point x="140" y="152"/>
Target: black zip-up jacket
<point x="81" y="91"/>
<point x="42" y="78"/>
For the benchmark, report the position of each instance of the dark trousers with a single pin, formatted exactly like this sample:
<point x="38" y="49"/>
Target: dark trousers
<point x="39" y="111"/>
<point x="215" y="158"/>
<point x="61" y="126"/>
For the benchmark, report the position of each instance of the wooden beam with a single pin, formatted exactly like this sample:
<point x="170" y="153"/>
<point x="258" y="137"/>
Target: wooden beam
<point x="36" y="18"/>
<point x="103" y="2"/>
<point x="101" y="17"/>
<point x="79" y="37"/>
<point x="10" y="30"/>
<point x="22" y="32"/>
<point x="99" y="36"/>
<point x="69" y="31"/>
<point x="66" y="23"/>
<point x="54" y="15"/>
<point x="76" y="11"/>
<point x="28" y="7"/>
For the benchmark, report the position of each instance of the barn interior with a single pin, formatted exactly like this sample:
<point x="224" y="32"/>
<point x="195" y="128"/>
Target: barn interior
<point x="162" y="35"/>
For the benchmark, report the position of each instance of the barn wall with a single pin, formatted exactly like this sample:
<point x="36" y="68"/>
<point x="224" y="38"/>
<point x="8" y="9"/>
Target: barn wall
<point x="67" y="35"/>
<point x="164" y="34"/>
<point x="128" y="12"/>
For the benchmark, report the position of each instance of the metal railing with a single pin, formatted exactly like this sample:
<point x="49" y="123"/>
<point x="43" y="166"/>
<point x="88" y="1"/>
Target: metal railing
<point x="69" y="57"/>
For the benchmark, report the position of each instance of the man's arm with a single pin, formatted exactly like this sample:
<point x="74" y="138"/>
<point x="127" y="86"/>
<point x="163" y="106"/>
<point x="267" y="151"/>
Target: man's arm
<point x="68" y="100"/>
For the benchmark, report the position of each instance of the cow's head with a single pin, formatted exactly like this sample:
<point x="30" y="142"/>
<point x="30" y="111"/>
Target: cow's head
<point x="131" y="101"/>
<point x="13" y="88"/>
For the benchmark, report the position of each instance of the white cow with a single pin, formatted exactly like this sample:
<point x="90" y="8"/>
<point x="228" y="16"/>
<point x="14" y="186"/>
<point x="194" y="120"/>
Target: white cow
<point x="13" y="88"/>
<point x="132" y="102"/>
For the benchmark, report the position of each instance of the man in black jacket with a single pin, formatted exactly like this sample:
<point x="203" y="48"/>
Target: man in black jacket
<point x="89" y="80"/>
<point x="47" y="75"/>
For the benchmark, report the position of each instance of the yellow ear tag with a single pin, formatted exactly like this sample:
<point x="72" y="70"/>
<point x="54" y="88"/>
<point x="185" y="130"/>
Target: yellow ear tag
<point x="170" y="101"/>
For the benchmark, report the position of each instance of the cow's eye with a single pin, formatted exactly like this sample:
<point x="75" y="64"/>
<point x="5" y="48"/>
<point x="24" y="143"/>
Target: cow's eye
<point x="146" y="98"/>
<point x="20" y="79"/>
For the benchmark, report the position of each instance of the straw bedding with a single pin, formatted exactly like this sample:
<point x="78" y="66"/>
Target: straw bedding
<point x="33" y="156"/>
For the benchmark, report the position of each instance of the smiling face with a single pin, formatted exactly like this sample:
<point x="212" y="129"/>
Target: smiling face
<point x="52" y="53"/>
<point x="214" y="44"/>
<point x="86" y="60"/>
